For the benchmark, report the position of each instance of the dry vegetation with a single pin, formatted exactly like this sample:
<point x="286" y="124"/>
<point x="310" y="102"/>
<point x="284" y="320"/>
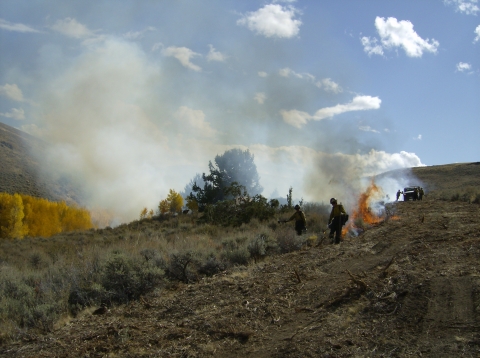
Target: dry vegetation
<point x="171" y="286"/>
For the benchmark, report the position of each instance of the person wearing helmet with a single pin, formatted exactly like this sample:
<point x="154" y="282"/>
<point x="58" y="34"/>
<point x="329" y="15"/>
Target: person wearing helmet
<point x="300" y="220"/>
<point x="335" y="220"/>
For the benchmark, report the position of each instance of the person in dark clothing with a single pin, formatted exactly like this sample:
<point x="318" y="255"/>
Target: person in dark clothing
<point x="300" y="220"/>
<point x="398" y="194"/>
<point x="335" y="221"/>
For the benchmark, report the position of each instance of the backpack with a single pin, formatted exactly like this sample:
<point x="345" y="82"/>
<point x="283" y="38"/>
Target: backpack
<point x="344" y="218"/>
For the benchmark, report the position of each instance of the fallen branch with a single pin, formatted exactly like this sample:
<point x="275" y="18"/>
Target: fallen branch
<point x="360" y="283"/>
<point x="297" y="275"/>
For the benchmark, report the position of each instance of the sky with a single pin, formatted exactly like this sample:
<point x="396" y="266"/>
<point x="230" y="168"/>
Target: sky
<point x="136" y="97"/>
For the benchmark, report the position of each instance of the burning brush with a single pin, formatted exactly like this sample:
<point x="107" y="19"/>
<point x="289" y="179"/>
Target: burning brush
<point x="369" y="211"/>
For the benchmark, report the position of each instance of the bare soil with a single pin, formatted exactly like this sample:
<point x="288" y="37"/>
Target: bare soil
<point x="409" y="286"/>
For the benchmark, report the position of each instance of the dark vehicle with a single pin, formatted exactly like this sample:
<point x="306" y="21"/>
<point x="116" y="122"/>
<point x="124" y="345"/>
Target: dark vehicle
<point x="409" y="193"/>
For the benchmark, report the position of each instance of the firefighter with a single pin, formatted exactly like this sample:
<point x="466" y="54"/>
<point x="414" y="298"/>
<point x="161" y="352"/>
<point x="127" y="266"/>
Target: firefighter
<point x="300" y="220"/>
<point x="335" y="221"/>
<point x="398" y="194"/>
<point x="421" y="193"/>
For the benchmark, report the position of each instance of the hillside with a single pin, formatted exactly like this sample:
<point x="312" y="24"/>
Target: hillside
<point x="21" y="172"/>
<point x="440" y="179"/>
<point x="409" y="286"/>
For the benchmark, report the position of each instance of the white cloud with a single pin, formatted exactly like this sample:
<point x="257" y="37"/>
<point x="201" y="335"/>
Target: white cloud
<point x="136" y="35"/>
<point x="477" y="32"/>
<point x="182" y="54"/>
<point x="273" y="21"/>
<point x="370" y="46"/>
<point x="287" y="72"/>
<point x="262" y="74"/>
<point x="195" y="119"/>
<point x="18" y="114"/>
<point x="327" y="84"/>
<point x="393" y="34"/>
<point x="72" y="28"/>
<point x="6" y="25"/>
<point x="468" y="7"/>
<point x="419" y="137"/>
<point x="360" y="103"/>
<point x="260" y="97"/>
<point x="295" y="118"/>
<point x="368" y="129"/>
<point x="214" y="55"/>
<point x="12" y="92"/>
<point x="330" y="86"/>
<point x="462" y="67"/>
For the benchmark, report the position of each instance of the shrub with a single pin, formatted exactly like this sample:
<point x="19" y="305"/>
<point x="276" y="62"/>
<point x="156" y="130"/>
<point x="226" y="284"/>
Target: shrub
<point x="287" y="241"/>
<point x="257" y="248"/>
<point x="26" y="303"/>
<point x="180" y="266"/>
<point x="211" y="266"/>
<point x="239" y="256"/>
<point x="128" y="279"/>
<point x="82" y="297"/>
<point x="261" y="246"/>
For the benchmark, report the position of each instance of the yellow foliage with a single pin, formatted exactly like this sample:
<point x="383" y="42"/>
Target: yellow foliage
<point x="164" y="206"/>
<point x="143" y="213"/>
<point x="192" y="204"/>
<point x="173" y="203"/>
<point x="175" y="200"/>
<point x="22" y="215"/>
<point x="11" y="216"/>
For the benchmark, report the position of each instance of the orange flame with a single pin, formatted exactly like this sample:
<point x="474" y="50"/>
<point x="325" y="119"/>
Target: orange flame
<point x="363" y="210"/>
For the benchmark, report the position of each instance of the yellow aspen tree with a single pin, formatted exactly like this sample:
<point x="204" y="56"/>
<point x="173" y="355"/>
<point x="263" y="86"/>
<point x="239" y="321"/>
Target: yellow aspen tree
<point x="150" y="214"/>
<point x="175" y="200"/>
<point x="164" y="206"/>
<point x="11" y="216"/>
<point x="4" y="214"/>
<point x="143" y="213"/>
<point x="75" y="218"/>
<point x="17" y="215"/>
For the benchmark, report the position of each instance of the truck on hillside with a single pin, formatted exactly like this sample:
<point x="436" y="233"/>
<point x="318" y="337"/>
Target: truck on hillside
<point x="410" y="193"/>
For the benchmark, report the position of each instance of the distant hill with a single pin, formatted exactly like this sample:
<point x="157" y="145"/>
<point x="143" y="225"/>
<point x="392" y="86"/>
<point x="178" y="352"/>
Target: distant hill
<point x="21" y="172"/>
<point x="439" y="178"/>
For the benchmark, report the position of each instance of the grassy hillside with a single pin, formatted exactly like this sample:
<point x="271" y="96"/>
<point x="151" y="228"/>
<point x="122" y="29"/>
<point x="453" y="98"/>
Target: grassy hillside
<point x="21" y="172"/>
<point x="172" y="286"/>
<point x="175" y="286"/>
<point x="441" y="180"/>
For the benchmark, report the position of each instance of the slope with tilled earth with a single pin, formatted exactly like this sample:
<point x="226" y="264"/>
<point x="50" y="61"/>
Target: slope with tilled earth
<point x="409" y="286"/>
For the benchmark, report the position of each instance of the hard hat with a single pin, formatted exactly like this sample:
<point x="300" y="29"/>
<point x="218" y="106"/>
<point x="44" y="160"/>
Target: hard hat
<point x="333" y="201"/>
<point x="297" y="207"/>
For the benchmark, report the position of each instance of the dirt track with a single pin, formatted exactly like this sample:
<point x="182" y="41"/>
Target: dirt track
<point x="406" y="287"/>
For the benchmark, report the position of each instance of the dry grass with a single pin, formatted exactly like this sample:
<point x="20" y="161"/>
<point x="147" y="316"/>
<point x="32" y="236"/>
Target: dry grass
<point x="44" y="281"/>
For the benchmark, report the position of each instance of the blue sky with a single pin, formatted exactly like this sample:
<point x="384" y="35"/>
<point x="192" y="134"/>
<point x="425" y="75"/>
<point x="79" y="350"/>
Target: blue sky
<point x="137" y="96"/>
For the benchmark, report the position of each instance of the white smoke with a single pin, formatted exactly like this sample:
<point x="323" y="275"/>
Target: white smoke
<point x="105" y="136"/>
<point x="119" y="126"/>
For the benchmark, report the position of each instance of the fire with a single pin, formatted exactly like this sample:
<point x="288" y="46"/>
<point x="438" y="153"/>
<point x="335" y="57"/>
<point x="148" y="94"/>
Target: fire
<point x="364" y="210"/>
